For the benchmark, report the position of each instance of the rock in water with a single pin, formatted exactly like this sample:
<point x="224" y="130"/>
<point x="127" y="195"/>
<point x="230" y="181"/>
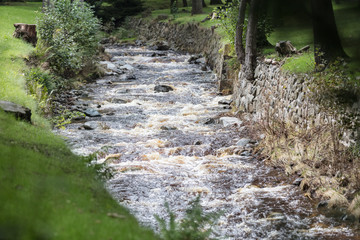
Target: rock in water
<point x="163" y="88"/>
<point x="228" y="121"/>
<point x="90" y="125"/>
<point x="19" y="111"/>
<point x="92" y="113"/>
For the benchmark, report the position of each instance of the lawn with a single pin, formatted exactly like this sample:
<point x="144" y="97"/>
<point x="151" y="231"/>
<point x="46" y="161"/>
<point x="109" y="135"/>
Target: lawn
<point x="46" y="192"/>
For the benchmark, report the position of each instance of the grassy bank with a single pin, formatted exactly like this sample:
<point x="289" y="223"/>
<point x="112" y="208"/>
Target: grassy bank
<point x="46" y="191"/>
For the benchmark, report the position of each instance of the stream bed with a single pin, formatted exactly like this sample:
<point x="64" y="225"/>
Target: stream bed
<point x="158" y="121"/>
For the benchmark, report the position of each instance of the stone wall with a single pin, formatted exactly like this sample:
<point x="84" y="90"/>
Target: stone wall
<point x="276" y="94"/>
<point x="191" y="38"/>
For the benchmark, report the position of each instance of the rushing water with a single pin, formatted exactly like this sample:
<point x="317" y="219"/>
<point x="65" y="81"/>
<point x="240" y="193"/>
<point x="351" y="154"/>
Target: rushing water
<point x="170" y="147"/>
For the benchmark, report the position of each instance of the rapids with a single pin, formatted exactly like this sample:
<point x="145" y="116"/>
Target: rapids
<point x="172" y="146"/>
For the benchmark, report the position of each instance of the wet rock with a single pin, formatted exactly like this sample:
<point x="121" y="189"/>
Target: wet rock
<point x="229" y="121"/>
<point x="19" y="111"/>
<point x="92" y="113"/>
<point x="127" y="67"/>
<point x="195" y="59"/>
<point x="168" y="128"/>
<point x="109" y="65"/>
<point x="130" y="77"/>
<point x="297" y="181"/>
<point x="348" y="218"/>
<point x="243" y="142"/>
<point x="78" y="118"/>
<point x="226" y="107"/>
<point x="275" y="216"/>
<point x="139" y="43"/>
<point x="90" y="125"/>
<point x="163" y="88"/>
<point x="160" y="46"/>
<point x="204" y="68"/>
<point x="209" y="121"/>
<point x="225" y="102"/>
<point x="118" y="101"/>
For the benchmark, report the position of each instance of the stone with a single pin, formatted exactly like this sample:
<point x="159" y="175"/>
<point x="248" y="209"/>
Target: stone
<point x="225" y="102"/>
<point x="163" y="88"/>
<point x="229" y="121"/>
<point x="297" y="181"/>
<point x="19" y="111"/>
<point x="195" y="59"/>
<point x="243" y="142"/>
<point x="168" y="128"/>
<point x="209" y="121"/>
<point x="118" y="101"/>
<point x="127" y="67"/>
<point x="109" y="65"/>
<point x="90" y="125"/>
<point x="92" y="113"/>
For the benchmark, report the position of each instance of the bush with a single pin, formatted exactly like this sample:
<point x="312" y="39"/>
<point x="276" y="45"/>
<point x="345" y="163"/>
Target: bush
<point x="196" y="225"/>
<point x="69" y="29"/>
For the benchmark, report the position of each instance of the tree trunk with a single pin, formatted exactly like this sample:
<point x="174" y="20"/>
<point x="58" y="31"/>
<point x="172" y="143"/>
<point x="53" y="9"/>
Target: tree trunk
<point x="326" y="37"/>
<point x="215" y="2"/>
<point x="26" y="32"/>
<point x="250" y="51"/>
<point x="239" y="46"/>
<point x="185" y="3"/>
<point x="196" y="7"/>
<point x="203" y="4"/>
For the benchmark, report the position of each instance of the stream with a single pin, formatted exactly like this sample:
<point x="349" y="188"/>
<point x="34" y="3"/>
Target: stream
<point x="157" y="120"/>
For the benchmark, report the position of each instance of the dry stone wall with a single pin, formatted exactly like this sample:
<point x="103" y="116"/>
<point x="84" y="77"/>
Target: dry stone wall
<point x="276" y="94"/>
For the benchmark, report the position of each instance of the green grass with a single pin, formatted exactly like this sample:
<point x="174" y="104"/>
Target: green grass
<point x="46" y="192"/>
<point x="12" y="52"/>
<point x="300" y="63"/>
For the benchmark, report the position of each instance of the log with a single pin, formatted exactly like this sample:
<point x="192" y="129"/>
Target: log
<point x="26" y="32"/>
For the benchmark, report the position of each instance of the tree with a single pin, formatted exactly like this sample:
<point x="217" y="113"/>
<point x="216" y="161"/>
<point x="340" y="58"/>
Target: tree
<point x="196" y="7"/>
<point x="250" y="50"/>
<point x="203" y="4"/>
<point x="215" y="2"/>
<point x="185" y="3"/>
<point x="239" y="46"/>
<point x="326" y="37"/>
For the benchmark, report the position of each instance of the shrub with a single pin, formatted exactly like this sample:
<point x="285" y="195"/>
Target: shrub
<point x="196" y="225"/>
<point x="69" y="29"/>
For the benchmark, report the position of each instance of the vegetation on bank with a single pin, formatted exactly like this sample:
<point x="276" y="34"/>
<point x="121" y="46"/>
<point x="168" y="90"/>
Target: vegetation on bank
<point x="46" y="191"/>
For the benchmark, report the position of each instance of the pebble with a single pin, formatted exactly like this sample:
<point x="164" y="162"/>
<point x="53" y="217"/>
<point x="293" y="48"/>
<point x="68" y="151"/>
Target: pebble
<point x="92" y="113"/>
<point x="243" y="142"/>
<point x="229" y="121"/>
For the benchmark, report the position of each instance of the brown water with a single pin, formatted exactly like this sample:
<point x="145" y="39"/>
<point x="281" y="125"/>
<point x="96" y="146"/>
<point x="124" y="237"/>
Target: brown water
<point x="164" y="149"/>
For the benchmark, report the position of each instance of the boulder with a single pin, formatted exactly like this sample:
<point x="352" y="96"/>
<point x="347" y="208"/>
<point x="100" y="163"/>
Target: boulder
<point x="19" y="111"/>
<point x="163" y="88"/>
<point x="229" y="121"/>
<point x="243" y="142"/>
<point x="92" y="113"/>
<point x="90" y="125"/>
<point x="26" y="32"/>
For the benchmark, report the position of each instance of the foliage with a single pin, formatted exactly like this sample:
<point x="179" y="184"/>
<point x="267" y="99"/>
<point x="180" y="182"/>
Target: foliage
<point x="196" y="225"/>
<point x="173" y="8"/>
<point x="119" y="10"/>
<point x="229" y="17"/>
<point x="69" y="29"/>
<point x="65" y="117"/>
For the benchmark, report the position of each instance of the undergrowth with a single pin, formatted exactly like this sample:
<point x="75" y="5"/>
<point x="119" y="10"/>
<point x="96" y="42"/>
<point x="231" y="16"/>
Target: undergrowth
<point x="196" y="225"/>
